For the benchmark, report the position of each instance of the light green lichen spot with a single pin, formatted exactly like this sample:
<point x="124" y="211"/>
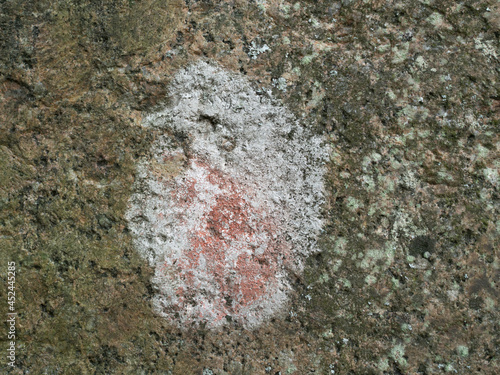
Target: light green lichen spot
<point x="400" y="54"/>
<point x="308" y="58"/>
<point x="435" y="19"/>
<point x="491" y="175"/>
<point x="462" y="351"/>
<point x="384" y="48"/>
<point x="370" y="279"/>
<point x="397" y="353"/>
<point x="421" y="63"/>
<point x="353" y="204"/>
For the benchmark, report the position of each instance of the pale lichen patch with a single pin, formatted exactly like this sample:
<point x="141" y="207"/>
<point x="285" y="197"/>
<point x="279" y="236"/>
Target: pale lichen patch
<point x="224" y="217"/>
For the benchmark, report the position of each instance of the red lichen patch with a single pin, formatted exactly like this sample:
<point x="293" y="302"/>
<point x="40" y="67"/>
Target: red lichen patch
<point x="235" y="252"/>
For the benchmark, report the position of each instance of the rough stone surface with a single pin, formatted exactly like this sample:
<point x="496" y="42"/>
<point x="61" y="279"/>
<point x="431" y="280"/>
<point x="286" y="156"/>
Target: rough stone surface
<point x="406" y="94"/>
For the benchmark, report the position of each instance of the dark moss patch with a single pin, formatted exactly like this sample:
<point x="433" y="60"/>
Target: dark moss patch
<point x="421" y="245"/>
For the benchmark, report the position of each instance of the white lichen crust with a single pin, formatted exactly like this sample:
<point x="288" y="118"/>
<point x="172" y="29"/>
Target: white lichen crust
<point x="226" y="217"/>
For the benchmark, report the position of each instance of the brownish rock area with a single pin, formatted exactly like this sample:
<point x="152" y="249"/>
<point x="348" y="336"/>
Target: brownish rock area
<point x="407" y="93"/>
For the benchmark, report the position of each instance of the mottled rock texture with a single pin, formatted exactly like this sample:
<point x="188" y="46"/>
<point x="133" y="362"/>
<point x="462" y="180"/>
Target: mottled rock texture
<point x="407" y="94"/>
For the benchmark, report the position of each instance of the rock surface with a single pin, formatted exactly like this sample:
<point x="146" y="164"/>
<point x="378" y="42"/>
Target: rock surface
<point x="405" y="276"/>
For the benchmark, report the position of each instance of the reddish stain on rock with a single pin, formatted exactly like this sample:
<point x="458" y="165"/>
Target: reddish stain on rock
<point x="236" y="252"/>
